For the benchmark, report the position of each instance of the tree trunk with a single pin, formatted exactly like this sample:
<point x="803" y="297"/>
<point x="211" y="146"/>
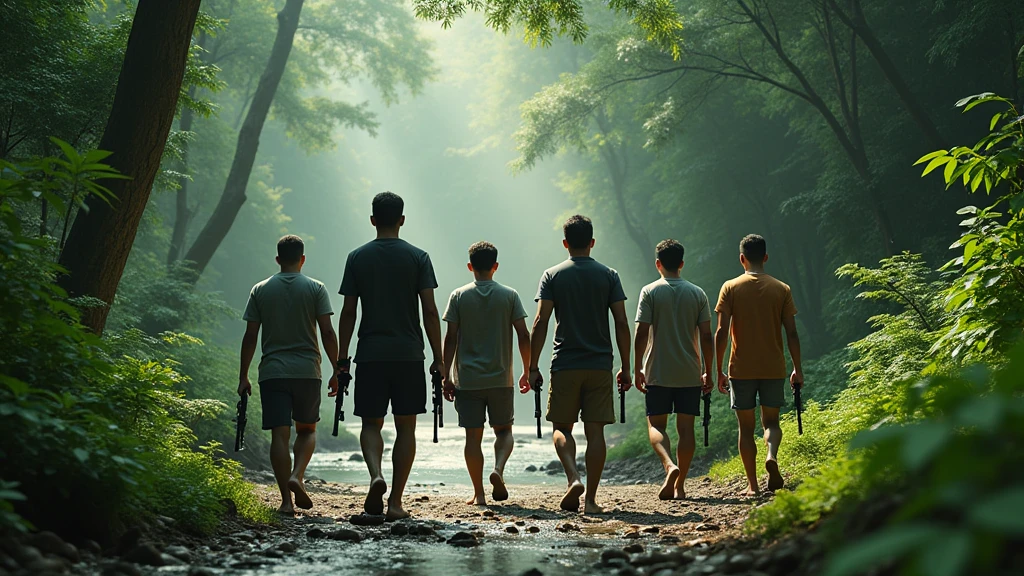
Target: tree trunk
<point x="140" y="120"/>
<point x="231" y="201"/>
<point x="181" y="212"/>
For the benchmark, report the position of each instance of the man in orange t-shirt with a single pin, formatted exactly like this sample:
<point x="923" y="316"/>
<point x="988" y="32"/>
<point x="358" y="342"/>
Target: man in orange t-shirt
<point x="753" y="309"/>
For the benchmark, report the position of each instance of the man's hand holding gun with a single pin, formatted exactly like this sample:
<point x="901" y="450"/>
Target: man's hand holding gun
<point x="338" y="387"/>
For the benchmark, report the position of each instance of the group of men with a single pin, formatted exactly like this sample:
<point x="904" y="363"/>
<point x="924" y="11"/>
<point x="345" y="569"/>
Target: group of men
<point x="391" y="282"/>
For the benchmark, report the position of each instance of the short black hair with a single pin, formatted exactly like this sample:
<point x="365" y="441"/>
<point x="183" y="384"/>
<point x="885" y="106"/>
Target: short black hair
<point x="290" y="249"/>
<point x="754" y="248"/>
<point x="579" y="231"/>
<point x="483" y="256"/>
<point x="387" y="208"/>
<point x="670" y="254"/>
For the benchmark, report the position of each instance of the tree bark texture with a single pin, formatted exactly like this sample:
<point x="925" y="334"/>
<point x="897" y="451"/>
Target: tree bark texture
<point x="231" y="201"/>
<point x="136" y="133"/>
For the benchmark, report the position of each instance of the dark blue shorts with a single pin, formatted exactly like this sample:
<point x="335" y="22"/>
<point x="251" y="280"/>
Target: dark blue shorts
<point x="403" y="385"/>
<point x="663" y="400"/>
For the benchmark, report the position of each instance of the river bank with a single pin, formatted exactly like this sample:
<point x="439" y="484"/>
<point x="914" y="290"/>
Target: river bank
<point x="528" y="534"/>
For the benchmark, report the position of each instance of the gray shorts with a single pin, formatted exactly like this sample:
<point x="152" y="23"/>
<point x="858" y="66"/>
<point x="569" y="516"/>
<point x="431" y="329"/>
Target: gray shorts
<point x="287" y="399"/>
<point x="498" y="403"/>
<point x="744" y="394"/>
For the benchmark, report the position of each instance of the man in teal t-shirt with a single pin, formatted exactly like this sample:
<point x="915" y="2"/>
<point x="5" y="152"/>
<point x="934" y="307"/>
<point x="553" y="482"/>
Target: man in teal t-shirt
<point x="481" y="317"/>
<point x="289" y="306"/>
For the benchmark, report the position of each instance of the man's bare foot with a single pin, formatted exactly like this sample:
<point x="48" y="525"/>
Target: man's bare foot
<point x="571" y="500"/>
<point x="750" y="493"/>
<point x="592" y="508"/>
<point x="286" y="510"/>
<point x="477" y="501"/>
<point x="498" y="490"/>
<point x="374" y="504"/>
<point x="679" y="493"/>
<point x="302" y="499"/>
<point x="775" y="480"/>
<point x="668" y="486"/>
<point x="395" y="512"/>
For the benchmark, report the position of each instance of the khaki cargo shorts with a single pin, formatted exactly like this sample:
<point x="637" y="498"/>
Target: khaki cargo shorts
<point x="498" y="403"/>
<point x="591" y="392"/>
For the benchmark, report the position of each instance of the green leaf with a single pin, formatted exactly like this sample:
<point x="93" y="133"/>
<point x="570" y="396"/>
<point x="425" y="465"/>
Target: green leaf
<point x="81" y="454"/>
<point x="979" y="176"/>
<point x="878" y="548"/>
<point x="950" y="168"/>
<point x="935" y="164"/>
<point x="931" y="156"/>
<point x="922" y="442"/>
<point x="948" y="554"/>
<point x="1003" y="512"/>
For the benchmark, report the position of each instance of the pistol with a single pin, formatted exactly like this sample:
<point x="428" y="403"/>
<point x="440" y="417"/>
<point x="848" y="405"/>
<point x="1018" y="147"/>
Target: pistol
<point x="707" y="415"/>
<point x="799" y="407"/>
<point x="536" y="406"/>
<point x="339" y="401"/>
<point x="435" y="379"/>
<point x="240" y="421"/>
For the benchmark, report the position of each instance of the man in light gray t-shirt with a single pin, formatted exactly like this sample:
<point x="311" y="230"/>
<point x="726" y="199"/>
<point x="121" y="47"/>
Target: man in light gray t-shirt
<point x="478" y="350"/>
<point x="289" y="307"/>
<point x="674" y="348"/>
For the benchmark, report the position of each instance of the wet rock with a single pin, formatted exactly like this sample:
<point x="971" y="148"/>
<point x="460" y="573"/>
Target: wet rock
<point x="50" y="543"/>
<point x="533" y="529"/>
<point x="92" y="547"/>
<point x="669" y="539"/>
<point x="128" y="540"/>
<point x="179" y="552"/>
<point x="316" y="533"/>
<point x="399" y="529"/>
<point x="612" y="554"/>
<point x="553" y="472"/>
<point x="665" y="569"/>
<point x="632" y="535"/>
<point x="121" y="569"/>
<point x="738" y="563"/>
<point x="421" y="530"/>
<point x="464" y="540"/>
<point x="171" y="560"/>
<point x="627" y="571"/>
<point x="356" y="457"/>
<point x="567" y="527"/>
<point x="272" y="553"/>
<point x="511" y="529"/>
<point x="701" y="570"/>
<point x="24" y="554"/>
<point x="633" y="549"/>
<point x="488" y="513"/>
<point x="146" y="554"/>
<point x="366" y="520"/>
<point x="707" y="527"/>
<point x="199" y="571"/>
<point x="288" y="547"/>
<point x="532" y="572"/>
<point x="651" y="530"/>
<point x="588" y="544"/>
<point x="520" y="522"/>
<point x="531" y="468"/>
<point x="554" y="465"/>
<point x="650" y="559"/>
<point x="345" y="535"/>
<point x="46" y="566"/>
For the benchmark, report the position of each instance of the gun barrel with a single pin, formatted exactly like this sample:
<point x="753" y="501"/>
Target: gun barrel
<point x="536" y="409"/>
<point x="435" y="379"/>
<point x="799" y="407"/>
<point x="240" y="422"/>
<point x="707" y="417"/>
<point x="622" y="407"/>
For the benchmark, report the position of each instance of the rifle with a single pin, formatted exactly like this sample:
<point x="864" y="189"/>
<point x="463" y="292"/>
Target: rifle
<point x="435" y="379"/>
<point x="799" y="407"/>
<point x="240" y="421"/>
<point x="536" y="406"/>
<point x="622" y="406"/>
<point x="339" y="401"/>
<point x="707" y="415"/>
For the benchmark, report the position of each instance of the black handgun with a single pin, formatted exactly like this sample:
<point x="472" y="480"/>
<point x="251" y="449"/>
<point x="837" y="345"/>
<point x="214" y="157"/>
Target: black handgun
<point x="622" y="406"/>
<point x="344" y="378"/>
<point x="435" y="379"/>
<point x="799" y="406"/>
<point x="537" y="386"/>
<point x="707" y="415"/>
<point x="240" y="421"/>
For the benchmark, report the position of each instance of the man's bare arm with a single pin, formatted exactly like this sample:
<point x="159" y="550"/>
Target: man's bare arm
<point x="793" y="341"/>
<point x="330" y="342"/>
<point x="622" y="336"/>
<point x="346" y="324"/>
<point x="707" y="350"/>
<point x="249" y="342"/>
<point x="432" y="325"/>
<point x="451" y="345"/>
<point x="523" y="337"/>
<point x="643" y="335"/>
<point x="721" y="343"/>
<point x="540" y="332"/>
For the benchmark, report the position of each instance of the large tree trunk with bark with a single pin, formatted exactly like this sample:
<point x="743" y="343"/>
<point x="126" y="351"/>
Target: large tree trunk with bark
<point x="136" y="133"/>
<point x="220" y="222"/>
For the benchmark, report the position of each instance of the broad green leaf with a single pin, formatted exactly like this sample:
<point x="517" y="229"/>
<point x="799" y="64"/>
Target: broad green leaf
<point x="947" y="554"/>
<point x="82" y="455"/>
<point x="931" y="156"/>
<point x="888" y="544"/>
<point x="935" y="164"/>
<point x="1003" y="512"/>
<point x="922" y="442"/>
<point x="950" y="167"/>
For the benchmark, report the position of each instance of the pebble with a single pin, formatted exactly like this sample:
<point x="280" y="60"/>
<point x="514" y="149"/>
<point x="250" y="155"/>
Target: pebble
<point x="46" y="565"/>
<point x="627" y="571"/>
<point x="366" y="520"/>
<point x="632" y="535"/>
<point x="488" y="513"/>
<point x="651" y="530"/>
<point x="399" y="529"/>
<point x="464" y="540"/>
<point x="288" y="546"/>
<point x="421" y="530"/>
<point x="707" y="527"/>
<point x="567" y="527"/>
<point x="533" y="529"/>
<point x="198" y="571"/>
<point x="633" y="549"/>
<point x="612" y="554"/>
<point x="179" y="552"/>
<point x="316" y="533"/>
<point x="345" y="535"/>
<point x="532" y="572"/>
<point x="650" y="559"/>
<point x="50" y="543"/>
<point x="738" y="563"/>
<point x="355" y="457"/>
<point x="531" y="468"/>
<point x="147" y="555"/>
<point x="511" y="529"/>
<point x="520" y="522"/>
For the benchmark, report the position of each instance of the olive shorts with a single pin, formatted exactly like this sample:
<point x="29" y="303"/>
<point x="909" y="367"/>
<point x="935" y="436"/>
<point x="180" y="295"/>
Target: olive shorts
<point x="287" y="399"/>
<point x="590" y="392"/>
<point x="498" y="403"/>
<point x="664" y="400"/>
<point x="745" y="393"/>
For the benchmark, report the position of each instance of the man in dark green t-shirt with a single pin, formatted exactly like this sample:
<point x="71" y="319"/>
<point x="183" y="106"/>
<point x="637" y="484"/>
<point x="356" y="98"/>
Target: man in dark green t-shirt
<point x="392" y="280"/>
<point x="289" y="306"/>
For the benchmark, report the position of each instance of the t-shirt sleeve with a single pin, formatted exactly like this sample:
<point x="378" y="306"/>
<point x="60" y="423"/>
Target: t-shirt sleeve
<point x="323" y="301"/>
<point x="616" y="294"/>
<point x="788" y="307"/>
<point x="252" y="309"/>
<point x="451" y="311"/>
<point x="705" y="307"/>
<point x="349" y="287"/>
<point x="545" y="291"/>
<point x="427" y="280"/>
<point x="724" y="300"/>
<point x="518" y="311"/>
<point x="644" y="312"/>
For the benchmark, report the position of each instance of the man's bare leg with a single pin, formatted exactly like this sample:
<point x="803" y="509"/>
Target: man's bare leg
<point x="565" y="447"/>
<point x="401" y="459"/>
<point x="475" y="463"/>
<point x="503" y="445"/>
<point x="684" y="452"/>
<point x="662" y="445"/>
<point x="597" y="451"/>
<point x="772" y="439"/>
<point x="748" y="449"/>
<point x="372" y="444"/>
<point x="281" y="462"/>
<point x="305" y="444"/>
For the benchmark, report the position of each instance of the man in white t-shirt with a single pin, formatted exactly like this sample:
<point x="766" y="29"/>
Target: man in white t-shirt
<point x="481" y="317"/>
<point x="673" y="337"/>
